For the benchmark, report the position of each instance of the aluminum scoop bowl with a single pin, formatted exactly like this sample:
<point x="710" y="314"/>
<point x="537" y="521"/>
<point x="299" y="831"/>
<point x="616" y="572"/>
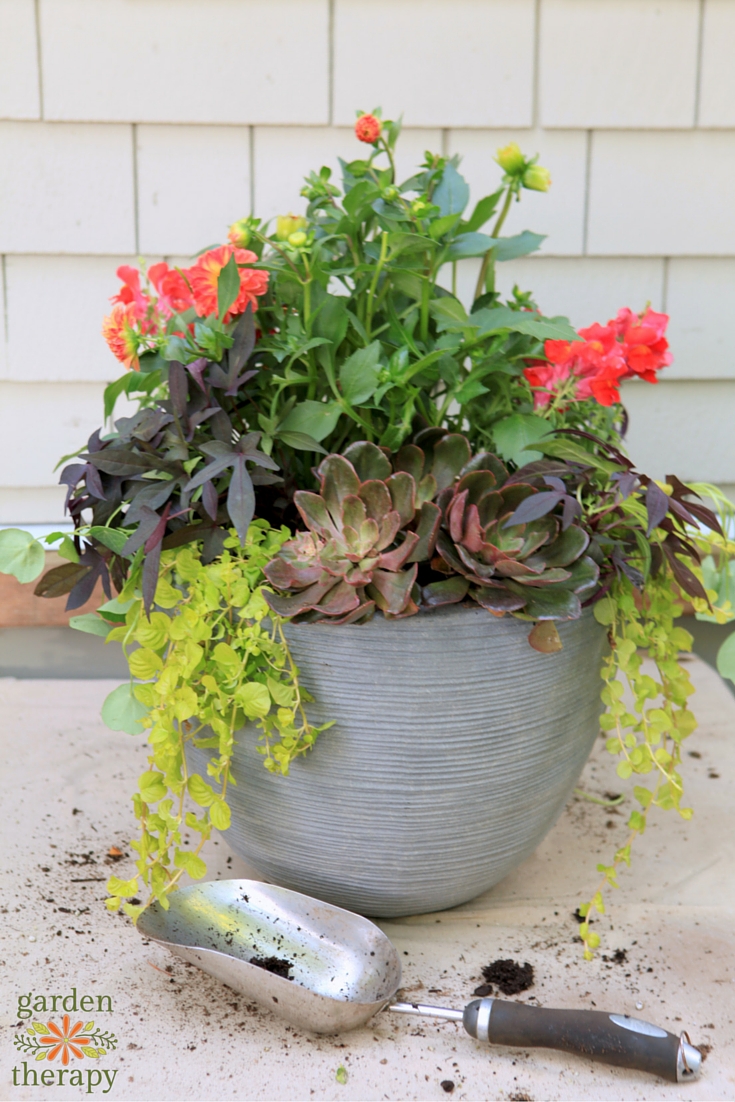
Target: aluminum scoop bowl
<point x="344" y="968"/>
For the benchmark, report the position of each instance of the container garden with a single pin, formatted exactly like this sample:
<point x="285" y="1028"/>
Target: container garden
<point x="352" y="507"/>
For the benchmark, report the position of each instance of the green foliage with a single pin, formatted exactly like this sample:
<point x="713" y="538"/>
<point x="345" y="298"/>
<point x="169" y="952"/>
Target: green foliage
<point x="20" y="555"/>
<point x="646" y="729"/>
<point x="208" y="662"/>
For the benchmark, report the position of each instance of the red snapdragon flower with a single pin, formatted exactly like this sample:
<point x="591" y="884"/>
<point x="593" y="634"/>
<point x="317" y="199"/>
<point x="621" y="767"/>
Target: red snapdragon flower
<point x="130" y="291"/>
<point x="368" y="129"/>
<point x="203" y="277"/>
<point x="628" y="345"/>
<point x="174" y="293"/>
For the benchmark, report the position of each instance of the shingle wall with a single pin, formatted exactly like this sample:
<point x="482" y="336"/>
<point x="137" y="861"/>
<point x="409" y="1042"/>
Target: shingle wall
<point x="146" y="126"/>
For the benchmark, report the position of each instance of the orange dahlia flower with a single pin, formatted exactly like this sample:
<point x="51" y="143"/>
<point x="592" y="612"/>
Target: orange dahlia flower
<point x="118" y="329"/>
<point x="64" y="1040"/>
<point x="204" y="275"/>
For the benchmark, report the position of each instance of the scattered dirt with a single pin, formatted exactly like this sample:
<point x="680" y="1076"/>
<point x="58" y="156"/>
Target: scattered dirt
<point x="620" y="956"/>
<point x="447" y="1085"/>
<point x="705" y="1050"/>
<point x="520" y="1096"/>
<point x="508" y="976"/>
<point x="275" y="965"/>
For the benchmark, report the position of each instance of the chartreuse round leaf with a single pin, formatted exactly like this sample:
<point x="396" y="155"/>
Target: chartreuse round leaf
<point x="254" y="699"/>
<point x="726" y="658"/>
<point x="122" y="712"/>
<point x="21" y="555"/>
<point x="152" y="786"/>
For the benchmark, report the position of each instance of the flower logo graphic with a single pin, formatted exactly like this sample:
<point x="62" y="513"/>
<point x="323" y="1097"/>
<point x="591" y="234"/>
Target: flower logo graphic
<point x="65" y="1040"/>
<point x="47" y="1041"/>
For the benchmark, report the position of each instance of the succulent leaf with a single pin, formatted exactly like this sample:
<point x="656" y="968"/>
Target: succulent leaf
<point x="368" y="460"/>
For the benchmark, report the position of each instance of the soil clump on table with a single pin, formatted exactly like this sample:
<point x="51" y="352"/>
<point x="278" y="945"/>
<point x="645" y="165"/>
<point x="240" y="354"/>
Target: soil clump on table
<point x="275" y="965"/>
<point x="508" y="976"/>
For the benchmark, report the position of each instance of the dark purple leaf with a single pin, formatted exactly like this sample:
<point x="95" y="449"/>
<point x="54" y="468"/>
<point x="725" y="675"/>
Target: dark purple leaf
<point x="221" y="427"/>
<point x="533" y="507"/>
<point x="243" y="342"/>
<point x="150" y="576"/>
<point x="555" y="483"/>
<point x="626" y="483"/>
<point x="209" y="499"/>
<point x="61" y="580"/>
<point x="213" y="543"/>
<point x="211" y="471"/>
<point x="157" y="534"/>
<point x="657" y="506"/>
<point x="701" y="512"/>
<point x="178" y="387"/>
<point x="570" y="509"/>
<point x="686" y="579"/>
<point x="241" y="498"/>
<point x="94" y="482"/>
<point x="196" y="369"/>
<point x="149" y="521"/>
<point x="151" y="496"/>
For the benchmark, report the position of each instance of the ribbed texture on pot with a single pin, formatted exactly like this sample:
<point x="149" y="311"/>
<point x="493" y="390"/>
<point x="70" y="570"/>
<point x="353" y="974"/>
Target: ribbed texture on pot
<point x="455" y="748"/>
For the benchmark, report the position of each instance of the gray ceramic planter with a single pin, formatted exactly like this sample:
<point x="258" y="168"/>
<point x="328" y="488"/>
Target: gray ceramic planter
<point x="454" y="750"/>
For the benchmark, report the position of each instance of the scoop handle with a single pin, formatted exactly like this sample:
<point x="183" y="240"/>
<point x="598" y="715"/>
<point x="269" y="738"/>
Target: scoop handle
<point x="612" y="1038"/>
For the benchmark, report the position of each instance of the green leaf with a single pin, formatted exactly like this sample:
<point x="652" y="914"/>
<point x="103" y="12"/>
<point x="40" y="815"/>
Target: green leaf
<point x="514" y="433"/>
<point x="201" y="792"/>
<point x="447" y="312"/>
<point x="219" y="813"/>
<point x="66" y="549"/>
<point x="522" y="321"/>
<point x="122" y="712"/>
<point x="300" y="441"/>
<point x="508" y="248"/>
<point x="315" y="419"/>
<point x="21" y="555"/>
<point x="484" y="210"/>
<point x="41" y="1029"/>
<point x="190" y="863"/>
<point x="726" y="658"/>
<point x="91" y="623"/>
<point x="341" y="1075"/>
<point x="113" y="392"/>
<point x="471" y="388"/>
<point x="228" y="286"/>
<point x="575" y="453"/>
<point x="358" y="375"/>
<point x="440" y="226"/>
<point x="604" y="611"/>
<point x="152" y="787"/>
<point x="144" y="663"/>
<point x="254" y="699"/>
<point x="470" y="244"/>
<point x="452" y="193"/>
<point x="331" y="320"/>
<point x="113" y="538"/>
<point x="116" y="886"/>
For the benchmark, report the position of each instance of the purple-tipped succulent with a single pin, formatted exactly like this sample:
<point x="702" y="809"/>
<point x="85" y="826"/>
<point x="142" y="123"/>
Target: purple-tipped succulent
<point x="358" y="552"/>
<point x="428" y="526"/>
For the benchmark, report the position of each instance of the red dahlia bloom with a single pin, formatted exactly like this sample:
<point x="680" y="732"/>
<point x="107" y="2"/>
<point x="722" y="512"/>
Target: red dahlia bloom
<point x="368" y="129"/>
<point x="203" y="277"/>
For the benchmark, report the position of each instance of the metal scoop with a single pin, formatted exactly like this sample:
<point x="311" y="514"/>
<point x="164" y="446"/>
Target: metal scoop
<point x="343" y="970"/>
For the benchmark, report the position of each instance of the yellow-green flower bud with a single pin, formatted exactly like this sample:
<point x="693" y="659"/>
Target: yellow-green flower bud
<point x="390" y="193"/>
<point x="510" y="159"/>
<point x="286" y="224"/>
<point x="537" y="178"/>
<point x="419" y="207"/>
<point x="297" y="239"/>
<point x="239" y="234"/>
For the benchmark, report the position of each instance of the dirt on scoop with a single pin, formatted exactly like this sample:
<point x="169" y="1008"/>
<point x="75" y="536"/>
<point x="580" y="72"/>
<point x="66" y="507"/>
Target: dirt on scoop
<point x="275" y="965"/>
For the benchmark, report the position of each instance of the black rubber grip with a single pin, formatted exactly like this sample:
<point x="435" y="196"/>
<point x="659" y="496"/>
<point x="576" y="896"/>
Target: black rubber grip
<point x="590" y="1033"/>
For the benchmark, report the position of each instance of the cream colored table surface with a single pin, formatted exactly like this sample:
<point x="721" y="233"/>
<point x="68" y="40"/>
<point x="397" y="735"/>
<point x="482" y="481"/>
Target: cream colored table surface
<point x="66" y="785"/>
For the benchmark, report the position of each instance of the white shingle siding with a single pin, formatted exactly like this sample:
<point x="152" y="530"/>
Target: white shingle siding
<point x="151" y="124"/>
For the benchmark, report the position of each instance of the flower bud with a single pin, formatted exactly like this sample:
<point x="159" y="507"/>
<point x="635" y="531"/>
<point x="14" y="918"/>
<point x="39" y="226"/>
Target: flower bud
<point x="510" y="159"/>
<point x="389" y="193"/>
<point x="297" y="239"/>
<point x="239" y="234"/>
<point x="537" y="178"/>
<point x="368" y="129"/>
<point x="419" y="207"/>
<point x="286" y="224"/>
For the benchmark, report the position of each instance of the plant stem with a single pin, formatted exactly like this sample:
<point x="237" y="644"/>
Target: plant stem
<point x="374" y="283"/>
<point x="496" y="230"/>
